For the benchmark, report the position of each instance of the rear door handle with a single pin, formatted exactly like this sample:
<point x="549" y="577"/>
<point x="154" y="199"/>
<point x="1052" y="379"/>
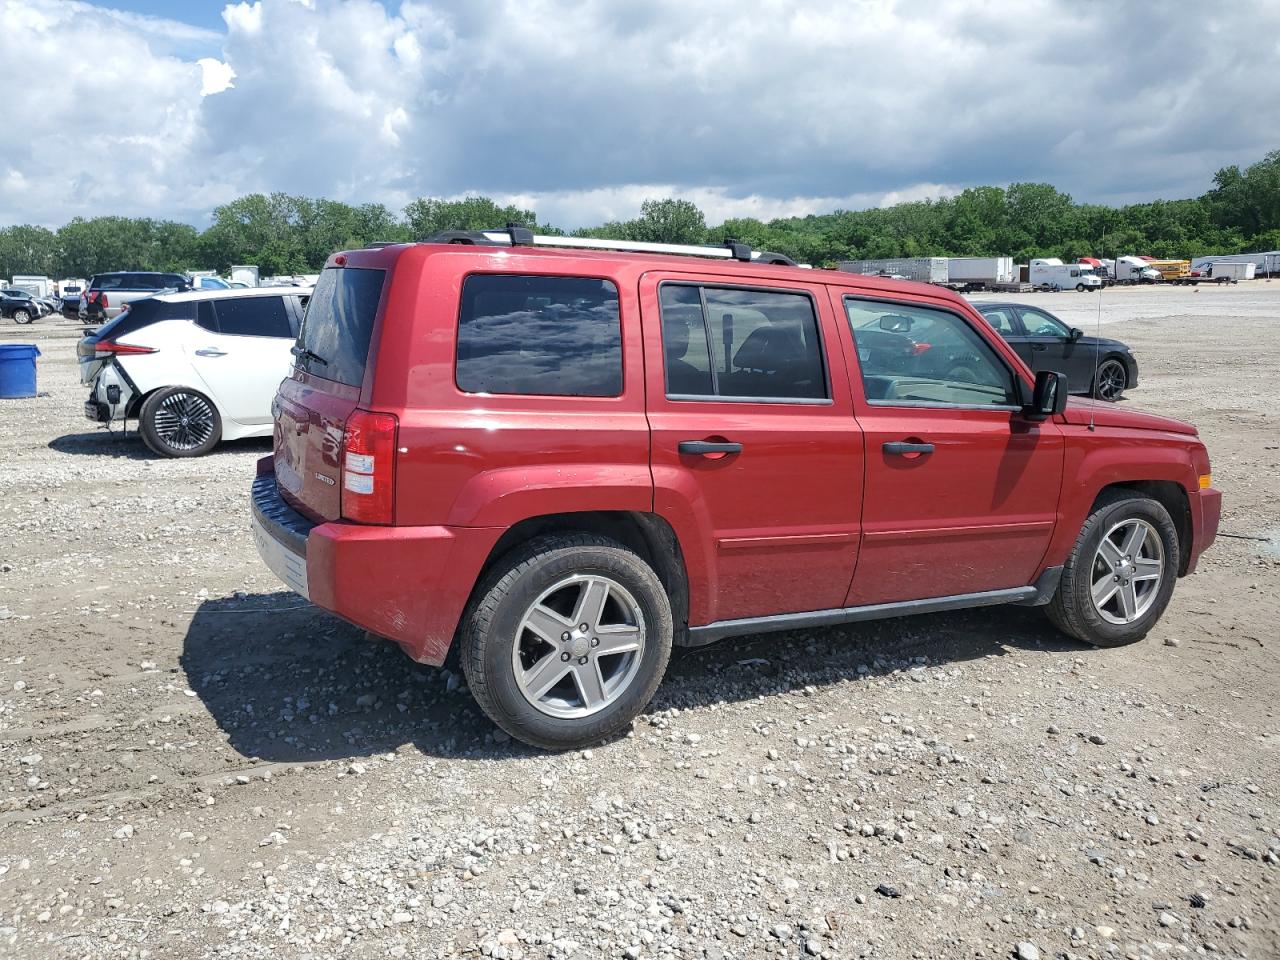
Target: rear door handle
<point x="703" y="447"/>
<point x="211" y="352"/>
<point x="902" y="447"/>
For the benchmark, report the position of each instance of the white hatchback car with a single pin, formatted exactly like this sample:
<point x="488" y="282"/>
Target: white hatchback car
<point x="193" y="368"/>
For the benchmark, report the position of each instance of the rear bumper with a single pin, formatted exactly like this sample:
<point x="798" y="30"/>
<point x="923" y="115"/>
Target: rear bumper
<point x="1206" y="509"/>
<point x="408" y="584"/>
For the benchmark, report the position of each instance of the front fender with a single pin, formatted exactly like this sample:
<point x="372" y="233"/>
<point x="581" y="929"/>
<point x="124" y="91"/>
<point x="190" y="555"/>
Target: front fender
<point x="1110" y="457"/>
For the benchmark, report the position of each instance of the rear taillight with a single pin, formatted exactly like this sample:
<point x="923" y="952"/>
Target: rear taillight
<point x="369" y="468"/>
<point x="92" y="296"/>
<point x="111" y="346"/>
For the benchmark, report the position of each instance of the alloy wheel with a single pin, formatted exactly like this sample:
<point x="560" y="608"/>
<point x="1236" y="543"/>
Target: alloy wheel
<point x="1127" y="570"/>
<point x="184" y="421"/>
<point x="578" y="646"/>
<point x="1110" y="380"/>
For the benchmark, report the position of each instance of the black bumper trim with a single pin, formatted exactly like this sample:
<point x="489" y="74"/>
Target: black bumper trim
<point x="281" y="521"/>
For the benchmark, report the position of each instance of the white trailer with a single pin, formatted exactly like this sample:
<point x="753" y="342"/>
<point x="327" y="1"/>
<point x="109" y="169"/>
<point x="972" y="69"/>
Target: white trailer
<point x="1052" y="272"/>
<point x="981" y="273"/>
<point x="40" y="287"/>
<point x="247" y="275"/>
<point x="924" y="269"/>
<point x="1265" y="262"/>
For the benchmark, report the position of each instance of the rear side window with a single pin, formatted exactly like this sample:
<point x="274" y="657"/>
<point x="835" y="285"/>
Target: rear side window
<point x="109" y="281"/>
<point x="253" y="317"/>
<point x="741" y="343"/>
<point x="539" y="336"/>
<point x="338" y="323"/>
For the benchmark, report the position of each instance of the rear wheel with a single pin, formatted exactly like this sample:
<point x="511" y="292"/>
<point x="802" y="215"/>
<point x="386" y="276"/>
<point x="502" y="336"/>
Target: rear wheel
<point x="568" y="640"/>
<point x="1080" y="288"/>
<point x="22" y="315"/>
<point x="1110" y="381"/>
<point x="179" y="422"/>
<point x="1120" y="575"/>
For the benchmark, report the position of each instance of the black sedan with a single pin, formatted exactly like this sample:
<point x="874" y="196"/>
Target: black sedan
<point x="1094" y="366"/>
<point x="20" y="305"/>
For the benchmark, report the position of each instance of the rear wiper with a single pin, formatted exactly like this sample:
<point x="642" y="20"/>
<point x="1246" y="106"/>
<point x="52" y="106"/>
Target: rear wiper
<point x="303" y="353"/>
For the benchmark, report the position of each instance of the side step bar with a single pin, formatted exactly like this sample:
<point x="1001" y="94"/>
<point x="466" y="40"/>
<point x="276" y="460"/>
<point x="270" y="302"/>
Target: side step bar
<point x="1039" y="593"/>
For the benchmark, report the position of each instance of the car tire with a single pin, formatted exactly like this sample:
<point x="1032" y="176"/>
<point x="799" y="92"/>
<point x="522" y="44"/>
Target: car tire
<point x="552" y="692"/>
<point x="1118" y="616"/>
<point x="1110" y="380"/>
<point x="22" y="315"/>
<point x="179" y="422"/>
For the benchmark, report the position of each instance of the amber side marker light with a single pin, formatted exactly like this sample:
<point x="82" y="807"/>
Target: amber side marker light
<point x="1206" y="481"/>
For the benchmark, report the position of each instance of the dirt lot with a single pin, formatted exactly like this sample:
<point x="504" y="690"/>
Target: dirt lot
<point x="198" y="764"/>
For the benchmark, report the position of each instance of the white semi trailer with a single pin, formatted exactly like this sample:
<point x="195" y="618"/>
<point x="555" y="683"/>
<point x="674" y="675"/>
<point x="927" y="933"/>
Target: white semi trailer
<point x="924" y="269"/>
<point x="984" y="270"/>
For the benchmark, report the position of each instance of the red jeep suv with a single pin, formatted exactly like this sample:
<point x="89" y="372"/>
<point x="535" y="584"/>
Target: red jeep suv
<point x="565" y="459"/>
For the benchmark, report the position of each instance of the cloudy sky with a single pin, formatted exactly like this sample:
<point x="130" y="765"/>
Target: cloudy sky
<point x="583" y="109"/>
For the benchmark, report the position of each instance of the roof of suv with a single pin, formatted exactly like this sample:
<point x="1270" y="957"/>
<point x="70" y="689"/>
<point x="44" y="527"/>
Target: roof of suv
<point x="235" y="292"/>
<point x="384" y="255"/>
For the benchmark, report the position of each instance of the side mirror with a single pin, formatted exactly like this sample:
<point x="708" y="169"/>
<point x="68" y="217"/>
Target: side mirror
<point x="896" y="323"/>
<point x="1075" y="334"/>
<point x="1049" y="397"/>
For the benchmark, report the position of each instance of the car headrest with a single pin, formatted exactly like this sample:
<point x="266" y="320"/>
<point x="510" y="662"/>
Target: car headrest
<point x="769" y="348"/>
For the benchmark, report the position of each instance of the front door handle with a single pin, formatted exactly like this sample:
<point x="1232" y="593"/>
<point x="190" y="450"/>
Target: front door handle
<point x="704" y="447"/>
<point x="901" y="447"/>
<point x="211" y="352"/>
<point x="1039" y="346"/>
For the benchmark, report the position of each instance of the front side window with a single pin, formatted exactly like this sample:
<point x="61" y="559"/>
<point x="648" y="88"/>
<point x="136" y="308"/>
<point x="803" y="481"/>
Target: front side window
<point x="910" y="355"/>
<point x="1000" y="318"/>
<point x="539" y="336"/>
<point x="1040" y="324"/>
<point x="740" y="343"/>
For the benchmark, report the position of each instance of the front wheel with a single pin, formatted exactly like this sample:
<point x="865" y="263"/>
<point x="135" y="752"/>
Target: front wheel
<point x="567" y="641"/>
<point x="1120" y="575"/>
<point x="179" y="422"/>
<point x="22" y="315"/>
<point x="1110" y="381"/>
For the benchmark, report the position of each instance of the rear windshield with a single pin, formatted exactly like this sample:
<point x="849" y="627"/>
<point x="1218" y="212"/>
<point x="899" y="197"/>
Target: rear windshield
<point x="143" y="313"/>
<point x="137" y="281"/>
<point x="339" y="323"/>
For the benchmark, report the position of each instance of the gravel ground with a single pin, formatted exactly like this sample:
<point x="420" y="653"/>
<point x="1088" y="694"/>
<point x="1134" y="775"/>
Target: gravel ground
<point x="198" y="764"/>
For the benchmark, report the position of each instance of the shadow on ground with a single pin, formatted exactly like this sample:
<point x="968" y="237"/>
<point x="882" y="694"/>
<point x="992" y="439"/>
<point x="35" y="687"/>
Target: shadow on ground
<point x="128" y="445"/>
<point x="287" y="682"/>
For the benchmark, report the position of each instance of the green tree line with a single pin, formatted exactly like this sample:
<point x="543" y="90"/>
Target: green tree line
<point x="286" y="234"/>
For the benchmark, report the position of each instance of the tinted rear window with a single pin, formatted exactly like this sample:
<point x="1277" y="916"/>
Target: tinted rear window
<point x="547" y="336"/>
<point x="143" y="313"/>
<point x="339" y="323"/>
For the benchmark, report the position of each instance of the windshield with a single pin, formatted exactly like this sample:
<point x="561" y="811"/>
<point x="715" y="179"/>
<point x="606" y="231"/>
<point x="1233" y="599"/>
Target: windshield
<point x="1087" y="272"/>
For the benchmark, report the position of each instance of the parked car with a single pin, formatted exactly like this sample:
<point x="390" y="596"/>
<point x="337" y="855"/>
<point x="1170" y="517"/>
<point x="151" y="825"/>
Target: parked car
<point x="1094" y="366"/>
<point x="108" y="292"/>
<point x="565" y="461"/>
<point x="192" y="368"/>
<point x="20" y="306"/>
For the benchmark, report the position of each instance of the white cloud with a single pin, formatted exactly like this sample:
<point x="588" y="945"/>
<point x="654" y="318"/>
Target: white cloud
<point x="215" y="76"/>
<point x="586" y="108"/>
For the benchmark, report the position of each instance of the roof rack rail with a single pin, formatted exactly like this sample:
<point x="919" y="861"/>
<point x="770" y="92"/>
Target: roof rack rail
<point x="517" y="236"/>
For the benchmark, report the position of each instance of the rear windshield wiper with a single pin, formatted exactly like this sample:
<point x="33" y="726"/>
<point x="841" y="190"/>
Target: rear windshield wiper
<point x="302" y="353"/>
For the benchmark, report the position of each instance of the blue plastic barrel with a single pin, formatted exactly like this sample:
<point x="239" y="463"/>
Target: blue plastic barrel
<point x="18" y="370"/>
